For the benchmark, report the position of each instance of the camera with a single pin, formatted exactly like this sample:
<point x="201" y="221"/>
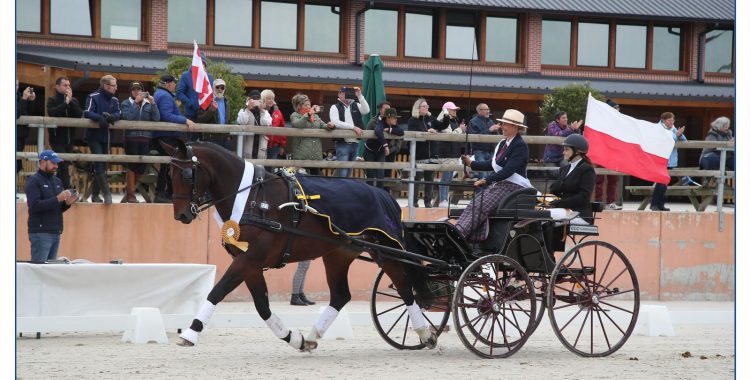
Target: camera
<point x="349" y="93"/>
<point x="321" y="108"/>
<point x="145" y="94"/>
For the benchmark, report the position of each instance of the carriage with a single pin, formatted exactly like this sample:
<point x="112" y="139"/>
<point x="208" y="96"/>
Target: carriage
<point x="497" y="291"/>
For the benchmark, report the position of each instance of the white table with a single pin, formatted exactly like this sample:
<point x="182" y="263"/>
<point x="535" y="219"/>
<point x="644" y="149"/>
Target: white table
<point x="89" y="297"/>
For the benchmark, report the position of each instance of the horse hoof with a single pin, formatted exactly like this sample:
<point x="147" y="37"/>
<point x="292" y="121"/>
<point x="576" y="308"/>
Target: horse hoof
<point x="185" y="343"/>
<point x="309" y="346"/>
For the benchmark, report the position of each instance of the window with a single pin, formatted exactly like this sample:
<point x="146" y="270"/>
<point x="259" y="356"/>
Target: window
<point x="460" y="39"/>
<point x="29" y="16"/>
<point x="719" y="44"/>
<point x="322" y="28"/>
<point x="630" y="48"/>
<point x="278" y="25"/>
<point x="187" y="21"/>
<point x="501" y="38"/>
<point x="556" y="42"/>
<point x="233" y="23"/>
<point x="70" y="17"/>
<point x="381" y="32"/>
<point x="593" y="44"/>
<point x="667" y="48"/>
<point x="121" y="20"/>
<point x="418" y="39"/>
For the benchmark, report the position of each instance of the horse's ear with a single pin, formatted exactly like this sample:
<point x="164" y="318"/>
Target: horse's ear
<point x="167" y="148"/>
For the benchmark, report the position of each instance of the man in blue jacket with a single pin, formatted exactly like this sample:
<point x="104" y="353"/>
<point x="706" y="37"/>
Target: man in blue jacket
<point x="169" y="112"/>
<point x="187" y="94"/>
<point x="46" y="201"/>
<point x="481" y="124"/>
<point x="102" y="107"/>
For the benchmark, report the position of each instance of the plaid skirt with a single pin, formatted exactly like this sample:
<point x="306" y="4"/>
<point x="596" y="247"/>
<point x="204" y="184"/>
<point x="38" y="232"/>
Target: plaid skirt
<point x="473" y="220"/>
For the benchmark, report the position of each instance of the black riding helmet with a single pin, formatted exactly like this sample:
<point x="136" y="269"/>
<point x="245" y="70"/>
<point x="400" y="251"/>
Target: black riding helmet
<point x="577" y="142"/>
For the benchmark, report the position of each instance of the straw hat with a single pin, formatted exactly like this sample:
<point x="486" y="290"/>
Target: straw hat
<point x="514" y="117"/>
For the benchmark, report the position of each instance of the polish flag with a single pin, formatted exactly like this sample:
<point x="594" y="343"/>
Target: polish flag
<point x="201" y="84"/>
<point x="627" y="145"/>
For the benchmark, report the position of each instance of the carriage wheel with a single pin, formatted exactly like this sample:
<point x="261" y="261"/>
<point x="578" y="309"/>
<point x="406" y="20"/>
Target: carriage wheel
<point x="494" y="307"/>
<point x="595" y="299"/>
<point x="391" y="319"/>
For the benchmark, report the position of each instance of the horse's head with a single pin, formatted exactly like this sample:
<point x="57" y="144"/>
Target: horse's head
<point x="190" y="180"/>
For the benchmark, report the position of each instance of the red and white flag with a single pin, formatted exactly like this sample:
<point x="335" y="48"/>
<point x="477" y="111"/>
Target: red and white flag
<point x="201" y="84"/>
<point x="627" y="145"/>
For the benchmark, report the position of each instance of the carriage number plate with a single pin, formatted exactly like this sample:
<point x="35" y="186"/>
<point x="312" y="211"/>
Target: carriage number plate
<point x="584" y="229"/>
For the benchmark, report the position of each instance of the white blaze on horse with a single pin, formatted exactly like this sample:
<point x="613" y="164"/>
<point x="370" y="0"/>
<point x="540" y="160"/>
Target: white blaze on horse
<point x="280" y="226"/>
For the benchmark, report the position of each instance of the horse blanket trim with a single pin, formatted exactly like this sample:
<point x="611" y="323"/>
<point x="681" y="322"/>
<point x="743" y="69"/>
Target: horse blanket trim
<point x="332" y="198"/>
<point x="241" y="198"/>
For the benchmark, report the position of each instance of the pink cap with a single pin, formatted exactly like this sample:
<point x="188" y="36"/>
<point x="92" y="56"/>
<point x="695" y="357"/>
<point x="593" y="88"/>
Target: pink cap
<point x="450" y="106"/>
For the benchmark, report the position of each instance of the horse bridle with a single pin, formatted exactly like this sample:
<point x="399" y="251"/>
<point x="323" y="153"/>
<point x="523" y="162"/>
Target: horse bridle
<point x="203" y="202"/>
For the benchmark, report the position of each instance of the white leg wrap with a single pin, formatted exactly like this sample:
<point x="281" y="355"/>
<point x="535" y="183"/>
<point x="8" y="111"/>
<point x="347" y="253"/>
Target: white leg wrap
<point x="415" y="314"/>
<point x="277" y="326"/>
<point x="325" y="320"/>
<point x="205" y="313"/>
<point x="314" y="335"/>
<point x="190" y="335"/>
<point x="296" y="340"/>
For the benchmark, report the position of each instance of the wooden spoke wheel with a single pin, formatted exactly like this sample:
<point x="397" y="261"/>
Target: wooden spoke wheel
<point x="594" y="298"/>
<point x="391" y="319"/>
<point x="494" y="307"/>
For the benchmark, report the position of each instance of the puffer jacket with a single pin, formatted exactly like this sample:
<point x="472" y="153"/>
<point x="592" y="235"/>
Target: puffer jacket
<point x="97" y="103"/>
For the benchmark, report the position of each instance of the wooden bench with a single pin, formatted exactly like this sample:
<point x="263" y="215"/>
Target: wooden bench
<point x="700" y="197"/>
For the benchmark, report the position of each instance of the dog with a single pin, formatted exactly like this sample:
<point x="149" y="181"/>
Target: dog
<point x="81" y="177"/>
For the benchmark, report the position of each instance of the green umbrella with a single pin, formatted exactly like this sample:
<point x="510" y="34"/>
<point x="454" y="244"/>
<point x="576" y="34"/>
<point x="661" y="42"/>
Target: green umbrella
<point x="373" y="90"/>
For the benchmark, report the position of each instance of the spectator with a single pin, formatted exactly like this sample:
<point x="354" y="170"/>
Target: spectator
<point x="24" y="102"/>
<point x="553" y="153"/>
<point x="139" y="106"/>
<point x="168" y="112"/>
<point x="275" y="144"/>
<point x="422" y="121"/>
<point x="216" y="113"/>
<point x="509" y="165"/>
<point x="382" y="106"/>
<point x="659" y="198"/>
<point x="47" y="201"/>
<point x="63" y="104"/>
<point x="448" y="151"/>
<point x="612" y="181"/>
<point x="103" y="107"/>
<point x="298" y="283"/>
<point x="347" y="114"/>
<point x="711" y="157"/>
<point x="377" y="149"/>
<point x="254" y="113"/>
<point x="306" y="116"/>
<point x="481" y="124"/>
<point x="187" y="95"/>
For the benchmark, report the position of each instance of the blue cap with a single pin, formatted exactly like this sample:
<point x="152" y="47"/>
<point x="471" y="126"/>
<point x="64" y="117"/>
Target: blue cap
<point x="50" y="155"/>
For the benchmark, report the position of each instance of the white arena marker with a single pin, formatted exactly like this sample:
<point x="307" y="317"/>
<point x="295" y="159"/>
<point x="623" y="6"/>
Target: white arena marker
<point x="341" y="328"/>
<point x="146" y="326"/>
<point x="654" y="320"/>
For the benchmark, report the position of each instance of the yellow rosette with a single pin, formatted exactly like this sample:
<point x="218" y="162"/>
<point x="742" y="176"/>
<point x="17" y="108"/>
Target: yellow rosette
<point x="230" y="234"/>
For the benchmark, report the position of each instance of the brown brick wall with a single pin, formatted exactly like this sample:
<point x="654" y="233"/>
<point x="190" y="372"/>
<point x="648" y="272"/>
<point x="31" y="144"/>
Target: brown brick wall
<point x="159" y="25"/>
<point x="534" y="43"/>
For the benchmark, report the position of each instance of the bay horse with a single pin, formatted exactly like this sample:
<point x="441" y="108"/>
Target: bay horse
<point x="204" y="169"/>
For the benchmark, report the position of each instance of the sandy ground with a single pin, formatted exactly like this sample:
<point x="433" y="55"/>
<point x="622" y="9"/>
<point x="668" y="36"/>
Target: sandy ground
<point x="253" y="353"/>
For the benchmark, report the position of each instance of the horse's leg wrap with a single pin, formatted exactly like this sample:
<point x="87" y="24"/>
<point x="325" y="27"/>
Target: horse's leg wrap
<point x="293" y="338"/>
<point x="426" y="335"/>
<point x="320" y="327"/>
<point x="200" y="321"/>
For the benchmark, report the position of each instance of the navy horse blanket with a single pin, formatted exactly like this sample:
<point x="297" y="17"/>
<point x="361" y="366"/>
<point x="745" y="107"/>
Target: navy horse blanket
<point x="353" y="206"/>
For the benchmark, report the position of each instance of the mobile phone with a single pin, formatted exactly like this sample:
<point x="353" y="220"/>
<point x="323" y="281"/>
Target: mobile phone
<point x="145" y="94"/>
<point x="349" y="93"/>
<point x="321" y="108"/>
<point x="31" y="90"/>
<point x="73" y="191"/>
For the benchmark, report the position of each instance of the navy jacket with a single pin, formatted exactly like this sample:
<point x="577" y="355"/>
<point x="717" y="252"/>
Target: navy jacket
<point x="97" y="103"/>
<point x="575" y="189"/>
<point x="45" y="212"/>
<point x="379" y="142"/>
<point x="168" y="111"/>
<point x="480" y="125"/>
<point x="514" y="160"/>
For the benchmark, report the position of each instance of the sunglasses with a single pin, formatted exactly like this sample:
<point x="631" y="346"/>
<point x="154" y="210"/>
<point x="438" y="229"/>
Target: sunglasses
<point x="219" y="87"/>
